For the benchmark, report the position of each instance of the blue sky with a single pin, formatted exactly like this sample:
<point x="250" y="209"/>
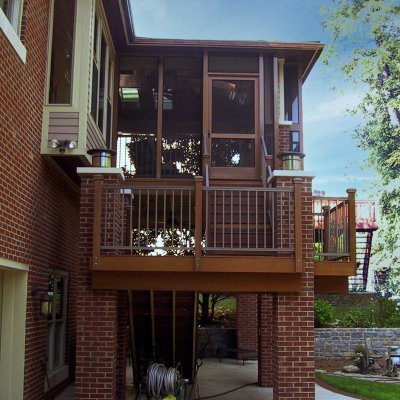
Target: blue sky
<point x="331" y="153"/>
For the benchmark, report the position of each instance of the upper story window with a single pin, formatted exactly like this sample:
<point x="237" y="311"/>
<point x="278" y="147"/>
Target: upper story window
<point x="102" y="80"/>
<point x="289" y="110"/>
<point x="12" y="9"/>
<point x="62" y="49"/>
<point x="10" y="24"/>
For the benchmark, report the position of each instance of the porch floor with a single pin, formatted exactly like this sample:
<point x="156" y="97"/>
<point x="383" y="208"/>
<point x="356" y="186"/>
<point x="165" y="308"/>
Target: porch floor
<point x="215" y="377"/>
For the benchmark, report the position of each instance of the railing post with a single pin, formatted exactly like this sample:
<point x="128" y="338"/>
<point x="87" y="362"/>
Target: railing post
<point x="352" y="224"/>
<point x="198" y="220"/>
<point x="98" y="184"/>
<point x="326" y="247"/>
<point x="298" y="240"/>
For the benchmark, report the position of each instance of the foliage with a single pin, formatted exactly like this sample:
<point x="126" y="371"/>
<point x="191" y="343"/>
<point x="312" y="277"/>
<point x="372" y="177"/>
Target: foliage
<point x="323" y="314"/>
<point x="208" y="310"/>
<point x="381" y="313"/>
<point x="366" y="389"/>
<point x="360" y="349"/>
<point x="366" y="46"/>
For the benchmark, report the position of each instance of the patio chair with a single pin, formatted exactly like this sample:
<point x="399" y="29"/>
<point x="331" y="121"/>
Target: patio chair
<point x="375" y="353"/>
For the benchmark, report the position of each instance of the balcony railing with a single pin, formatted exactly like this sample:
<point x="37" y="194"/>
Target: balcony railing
<point x="334" y="228"/>
<point x="136" y="219"/>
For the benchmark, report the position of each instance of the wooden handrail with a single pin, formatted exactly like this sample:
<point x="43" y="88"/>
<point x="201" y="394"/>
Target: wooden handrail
<point x="98" y="184"/>
<point x="298" y="240"/>
<point x="198" y="218"/>
<point x="352" y="224"/>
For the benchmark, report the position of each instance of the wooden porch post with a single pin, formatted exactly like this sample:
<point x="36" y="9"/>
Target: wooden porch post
<point x="326" y="248"/>
<point x="198" y="220"/>
<point x="98" y="184"/>
<point x="352" y="224"/>
<point x="298" y="242"/>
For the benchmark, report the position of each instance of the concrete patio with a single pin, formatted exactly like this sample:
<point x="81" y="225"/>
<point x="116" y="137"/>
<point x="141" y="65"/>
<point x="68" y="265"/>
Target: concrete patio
<point x="215" y="378"/>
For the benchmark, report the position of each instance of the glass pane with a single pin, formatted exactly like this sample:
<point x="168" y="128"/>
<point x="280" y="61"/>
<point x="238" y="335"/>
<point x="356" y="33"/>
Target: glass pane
<point x="182" y="117"/>
<point x="233" y="64"/>
<point x="137" y="115"/>
<point x="268" y="104"/>
<point x="291" y="93"/>
<point x="232" y="153"/>
<point x="62" y="52"/>
<point x="102" y="100"/>
<point x="233" y="106"/>
<point x="58" y="344"/>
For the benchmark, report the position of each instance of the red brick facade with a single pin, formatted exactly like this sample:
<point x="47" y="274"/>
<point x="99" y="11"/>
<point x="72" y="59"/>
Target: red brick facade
<point x="39" y="211"/>
<point x="246" y="317"/>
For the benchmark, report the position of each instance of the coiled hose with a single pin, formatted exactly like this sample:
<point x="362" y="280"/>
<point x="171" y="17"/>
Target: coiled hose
<point x="162" y="380"/>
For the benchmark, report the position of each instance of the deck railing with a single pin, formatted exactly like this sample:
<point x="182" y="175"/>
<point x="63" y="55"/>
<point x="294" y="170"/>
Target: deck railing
<point x="334" y="228"/>
<point x="150" y="219"/>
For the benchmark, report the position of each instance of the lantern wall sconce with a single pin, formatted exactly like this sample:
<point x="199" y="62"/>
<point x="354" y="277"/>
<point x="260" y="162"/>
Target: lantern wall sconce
<point x="45" y="300"/>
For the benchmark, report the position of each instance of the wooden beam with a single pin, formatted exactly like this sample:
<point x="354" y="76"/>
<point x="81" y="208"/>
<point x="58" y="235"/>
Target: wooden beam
<point x="352" y="224"/>
<point x="201" y="281"/>
<point x="98" y="183"/>
<point x="335" y="268"/>
<point x="209" y="263"/>
<point x="198" y="221"/>
<point x="331" y="284"/>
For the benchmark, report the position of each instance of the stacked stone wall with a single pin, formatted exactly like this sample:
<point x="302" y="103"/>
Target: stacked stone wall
<point x="339" y="343"/>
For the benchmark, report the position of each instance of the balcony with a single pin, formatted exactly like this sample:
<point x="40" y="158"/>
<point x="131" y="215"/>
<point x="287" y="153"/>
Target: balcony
<point x="247" y="237"/>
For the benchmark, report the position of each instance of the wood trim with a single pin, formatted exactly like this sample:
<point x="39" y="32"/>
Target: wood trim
<point x="159" y="115"/>
<point x="201" y="282"/>
<point x="276" y="112"/>
<point x="198" y="212"/>
<point x="335" y="268"/>
<point x="209" y="263"/>
<point x="331" y="284"/>
<point x="352" y="224"/>
<point x="298" y="240"/>
<point x="98" y="183"/>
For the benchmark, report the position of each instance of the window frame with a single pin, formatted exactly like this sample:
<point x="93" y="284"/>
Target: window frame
<point x="57" y="372"/>
<point x="98" y="33"/>
<point x="11" y="26"/>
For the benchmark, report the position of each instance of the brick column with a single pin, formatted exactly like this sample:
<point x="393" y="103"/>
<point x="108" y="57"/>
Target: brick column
<point x="293" y="322"/>
<point x="246" y="317"/>
<point x="265" y="318"/>
<point x="97" y="310"/>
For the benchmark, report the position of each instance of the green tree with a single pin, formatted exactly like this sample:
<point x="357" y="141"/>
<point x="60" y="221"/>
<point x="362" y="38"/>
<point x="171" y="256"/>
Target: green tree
<point x="366" y="47"/>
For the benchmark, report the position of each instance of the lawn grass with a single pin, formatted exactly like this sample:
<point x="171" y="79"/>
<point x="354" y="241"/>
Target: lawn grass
<point x="368" y="389"/>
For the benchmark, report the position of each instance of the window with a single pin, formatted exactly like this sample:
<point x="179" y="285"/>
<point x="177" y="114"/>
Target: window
<point x="12" y="9"/>
<point x="295" y="141"/>
<point x="102" y="79"/>
<point x="62" y="48"/>
<point x="10" y="24"/>
<point x="291" y="75"/>
<point x="56" y="369"/>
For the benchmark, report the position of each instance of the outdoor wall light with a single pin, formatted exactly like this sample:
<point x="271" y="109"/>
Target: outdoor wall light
<point x="62" y="145"/>
<point x="45" y="300"/>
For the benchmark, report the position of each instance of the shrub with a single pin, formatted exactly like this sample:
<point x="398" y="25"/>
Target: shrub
<point x="355" y="319"/>
<point x="324" y="315"/>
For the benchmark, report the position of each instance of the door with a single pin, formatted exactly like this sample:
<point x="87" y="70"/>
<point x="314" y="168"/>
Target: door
<point x="233" y="127"/>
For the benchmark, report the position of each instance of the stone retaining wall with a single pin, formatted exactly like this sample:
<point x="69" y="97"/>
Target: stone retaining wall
<point x="340" y="342"/>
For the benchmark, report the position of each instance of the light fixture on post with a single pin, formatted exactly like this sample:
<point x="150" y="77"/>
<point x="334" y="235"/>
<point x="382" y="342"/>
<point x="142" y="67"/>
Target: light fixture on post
<point x="45" y="300"/>
<point x="63" y="145"/>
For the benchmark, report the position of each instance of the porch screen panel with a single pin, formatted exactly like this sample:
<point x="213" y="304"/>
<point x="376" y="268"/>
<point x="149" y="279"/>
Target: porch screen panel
<point x="137" y="116"/>
<point x="182" y="117"/>
<point x="291" y="74"/>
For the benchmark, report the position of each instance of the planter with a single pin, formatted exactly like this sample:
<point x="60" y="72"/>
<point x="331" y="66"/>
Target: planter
<point x="101" y="157"/>
<point x="291" y="160"/>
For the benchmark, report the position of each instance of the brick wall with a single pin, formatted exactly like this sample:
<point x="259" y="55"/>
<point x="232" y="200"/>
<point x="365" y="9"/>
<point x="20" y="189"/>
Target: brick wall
<point x="39" y="212"/>
<point x="293" y="321"/>
<point x="98" y="354"/>
<point x="246" y="321"/>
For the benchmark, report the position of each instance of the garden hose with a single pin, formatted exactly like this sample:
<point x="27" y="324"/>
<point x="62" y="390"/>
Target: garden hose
<point x="162" y="381"/>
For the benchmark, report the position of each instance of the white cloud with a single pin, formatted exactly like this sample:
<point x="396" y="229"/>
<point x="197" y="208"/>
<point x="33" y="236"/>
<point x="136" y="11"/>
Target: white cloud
<point x="332" y="108"/>
<point x="344" y="178"/>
